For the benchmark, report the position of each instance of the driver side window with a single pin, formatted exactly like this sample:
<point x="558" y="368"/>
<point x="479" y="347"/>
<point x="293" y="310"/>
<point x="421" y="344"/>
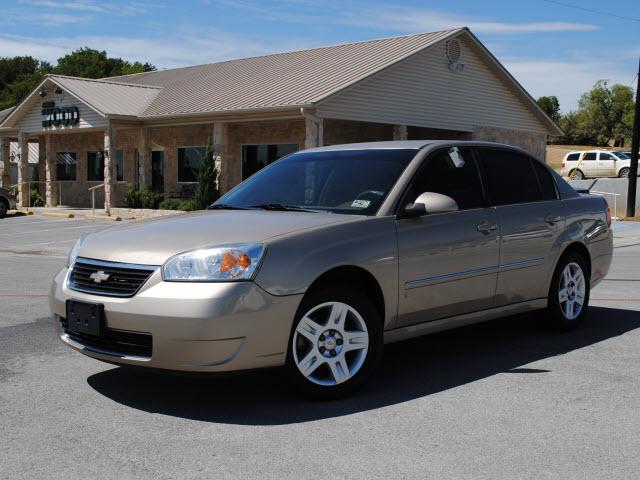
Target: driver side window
<point x="439" y="174"/>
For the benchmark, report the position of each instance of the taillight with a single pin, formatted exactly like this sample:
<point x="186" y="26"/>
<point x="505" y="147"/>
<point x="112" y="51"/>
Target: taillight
<point x="564" y="165"/>
<point x="606" y="204"/>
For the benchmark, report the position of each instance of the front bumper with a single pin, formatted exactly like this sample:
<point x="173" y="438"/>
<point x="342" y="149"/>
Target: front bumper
<point x="199" y="327"/>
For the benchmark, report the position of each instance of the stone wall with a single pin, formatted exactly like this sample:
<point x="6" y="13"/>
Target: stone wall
<point x="346" y="131"/>
<point x="534" y="143"/>
<point x="421" y="133"/>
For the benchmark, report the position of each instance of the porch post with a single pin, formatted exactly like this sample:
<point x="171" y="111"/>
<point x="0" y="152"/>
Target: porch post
<point x="314" y="131"/>
<point x="51" y="192"/>
<point x="220" y="141"/>
<point x="144" y="159"/>
<point x="23" y="170"/>
<point x="109" y="152"/>
<point x="400" y="132"/>
<point x="5" y="165"/>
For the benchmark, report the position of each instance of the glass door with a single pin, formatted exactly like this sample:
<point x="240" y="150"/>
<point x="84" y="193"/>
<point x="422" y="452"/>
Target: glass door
<point x="157" y="171"/>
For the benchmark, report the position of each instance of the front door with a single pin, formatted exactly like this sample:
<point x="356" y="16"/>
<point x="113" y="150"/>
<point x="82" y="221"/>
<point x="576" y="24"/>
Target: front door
<point x="448" y="261"/>
<point x="157" y="171"/>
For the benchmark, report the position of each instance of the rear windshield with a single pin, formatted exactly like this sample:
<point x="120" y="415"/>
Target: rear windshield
<point x="573" y="156"/>
<point x="342" y="181"/>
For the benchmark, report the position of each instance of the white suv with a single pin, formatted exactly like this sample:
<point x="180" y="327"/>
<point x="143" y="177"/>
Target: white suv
<point x="595" y="163"/>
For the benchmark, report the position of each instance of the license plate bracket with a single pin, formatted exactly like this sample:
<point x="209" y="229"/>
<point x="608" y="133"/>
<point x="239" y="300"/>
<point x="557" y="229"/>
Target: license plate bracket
<point x="85" y="318"/>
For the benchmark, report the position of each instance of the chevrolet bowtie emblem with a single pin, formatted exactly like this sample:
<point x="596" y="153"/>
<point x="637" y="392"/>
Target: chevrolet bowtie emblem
<point x="99" y="276"/>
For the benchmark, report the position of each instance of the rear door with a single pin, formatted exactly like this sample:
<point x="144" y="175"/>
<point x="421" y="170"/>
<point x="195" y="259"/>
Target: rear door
<point x="525" y="197"/>
<point x="448" y="261"/>
<point x="589" y="164"/>
<point x="606" y="165"/>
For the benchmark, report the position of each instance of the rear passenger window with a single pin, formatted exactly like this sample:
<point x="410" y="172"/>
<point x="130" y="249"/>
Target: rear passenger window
<point x="606" y="156"/>
<point x="547" y="184"/>
<point x="590" y="156"/>
<point x="573" y="157"/>
<point x="441" y="175"/>
<point x="510" y="177"/>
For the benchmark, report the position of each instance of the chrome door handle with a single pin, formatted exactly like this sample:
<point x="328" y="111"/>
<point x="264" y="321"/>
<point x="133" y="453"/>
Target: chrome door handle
<point x="486" y="227"/>
<point x="551" y="219"/>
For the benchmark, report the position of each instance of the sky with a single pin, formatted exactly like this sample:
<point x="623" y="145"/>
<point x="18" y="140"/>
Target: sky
<point x="550" y="47"/>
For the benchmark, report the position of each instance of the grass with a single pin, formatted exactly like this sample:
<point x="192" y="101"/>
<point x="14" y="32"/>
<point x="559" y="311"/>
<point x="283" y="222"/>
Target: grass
<point x="630" y="219"/>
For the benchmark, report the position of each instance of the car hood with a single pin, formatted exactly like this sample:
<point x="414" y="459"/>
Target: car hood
<point x="152" y="242"/>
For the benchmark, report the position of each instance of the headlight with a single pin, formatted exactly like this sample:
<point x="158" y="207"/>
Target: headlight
<point x="73" y="254"/>
<point x="224" y="263"/>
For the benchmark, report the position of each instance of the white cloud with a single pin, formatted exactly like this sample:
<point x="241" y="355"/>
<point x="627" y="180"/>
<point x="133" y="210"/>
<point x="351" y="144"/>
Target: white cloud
<point x="567" y="80"/>
<point x="165" y="52"/>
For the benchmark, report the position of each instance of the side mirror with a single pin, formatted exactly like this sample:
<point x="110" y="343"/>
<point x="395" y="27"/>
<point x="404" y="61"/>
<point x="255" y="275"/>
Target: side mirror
<point x="430" y="202"/>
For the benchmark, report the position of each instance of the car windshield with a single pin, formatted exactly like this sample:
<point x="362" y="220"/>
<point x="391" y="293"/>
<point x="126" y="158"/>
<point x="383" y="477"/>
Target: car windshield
<point x="340" y="181"/>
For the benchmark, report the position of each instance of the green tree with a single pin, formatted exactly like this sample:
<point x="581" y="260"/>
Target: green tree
<point x="207" y="177"/>
<point x="551" y="106"/>
<point x="18" y="77"/>
<point x="89" y="63"/>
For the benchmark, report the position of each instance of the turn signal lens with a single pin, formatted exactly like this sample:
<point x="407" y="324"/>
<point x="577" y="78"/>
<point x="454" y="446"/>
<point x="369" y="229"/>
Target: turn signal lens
<point x="226" y="263"/>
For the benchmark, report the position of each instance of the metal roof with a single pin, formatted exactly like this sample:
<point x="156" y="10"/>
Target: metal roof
<point x="279" y="80"/>
<point x="109" y="98"/>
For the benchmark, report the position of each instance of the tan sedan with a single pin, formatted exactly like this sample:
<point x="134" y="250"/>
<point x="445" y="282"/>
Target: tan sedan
<point x="322" y="257"/>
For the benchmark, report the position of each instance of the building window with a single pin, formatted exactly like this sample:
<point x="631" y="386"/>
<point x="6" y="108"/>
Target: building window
<point x="119" y="165"/>
<point x="189" y="159"/>
<point x="66" y="166"/>
<point x="95" y="166"/>
<point x="255" y="157"/>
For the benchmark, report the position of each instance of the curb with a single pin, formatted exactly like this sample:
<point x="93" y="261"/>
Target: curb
<point x="113" y="218"/>
<point x="58" y="214"/>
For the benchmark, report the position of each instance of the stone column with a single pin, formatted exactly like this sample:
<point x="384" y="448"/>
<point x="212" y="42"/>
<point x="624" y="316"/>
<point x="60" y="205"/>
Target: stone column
<point x="109" y="152"/>
<point x="5" y="163"/>
<point x="23" y="170"/>
<point x="52" y="189"/>
<point x="220" y="142"/>
<point x="314" y="131"/>
<point x="144" y="159"/>
<point x="400" y="132"/>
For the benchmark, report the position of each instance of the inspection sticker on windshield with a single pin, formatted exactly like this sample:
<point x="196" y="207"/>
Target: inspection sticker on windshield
<point x="361" y="203"/>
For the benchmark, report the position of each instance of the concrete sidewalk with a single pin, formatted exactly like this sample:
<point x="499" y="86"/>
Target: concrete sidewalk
<point x="120" y="213"/>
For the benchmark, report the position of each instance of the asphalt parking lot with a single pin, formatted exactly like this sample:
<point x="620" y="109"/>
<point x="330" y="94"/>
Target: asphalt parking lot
<point x="505" y="399"/>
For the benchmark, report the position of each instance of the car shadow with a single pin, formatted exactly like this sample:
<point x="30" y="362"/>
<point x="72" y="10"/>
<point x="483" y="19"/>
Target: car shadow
<point x="409" y="370"/>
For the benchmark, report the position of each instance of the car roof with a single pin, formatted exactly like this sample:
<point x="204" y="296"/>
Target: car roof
<point x="402" y="145"/>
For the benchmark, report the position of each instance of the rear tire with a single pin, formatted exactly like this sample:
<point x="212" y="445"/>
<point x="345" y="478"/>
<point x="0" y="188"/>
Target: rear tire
<point x="624" y="173"/>
<point x="4" y="207"/>
<point x="568" y="303"/>
<point x="576" y="175"/>
<point x="335" y="343"/>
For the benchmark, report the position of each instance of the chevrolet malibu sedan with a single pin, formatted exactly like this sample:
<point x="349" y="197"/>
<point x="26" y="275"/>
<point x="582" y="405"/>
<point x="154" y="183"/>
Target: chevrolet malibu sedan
<point x="319" y="259"/>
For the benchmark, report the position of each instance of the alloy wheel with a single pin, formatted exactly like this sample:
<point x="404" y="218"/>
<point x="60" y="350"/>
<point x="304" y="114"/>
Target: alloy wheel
<point x="571" y="292"/>
<point x="330" y="343"/>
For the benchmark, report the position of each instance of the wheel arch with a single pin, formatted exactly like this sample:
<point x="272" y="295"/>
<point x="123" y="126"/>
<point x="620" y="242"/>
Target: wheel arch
<point x="579" y="248"/>
<point x="352" y="275"/>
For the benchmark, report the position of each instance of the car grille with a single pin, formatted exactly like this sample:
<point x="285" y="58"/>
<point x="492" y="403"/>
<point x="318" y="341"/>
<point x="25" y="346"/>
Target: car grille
<point x="113" y="342"/>
<point x="115" y="279"/>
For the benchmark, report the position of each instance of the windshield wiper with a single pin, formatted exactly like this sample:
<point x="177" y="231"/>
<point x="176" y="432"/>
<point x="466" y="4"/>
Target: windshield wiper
<point x="281" y="207"/>
<point x="225" y="206"/>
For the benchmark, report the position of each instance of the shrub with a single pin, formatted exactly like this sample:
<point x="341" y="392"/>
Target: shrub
<point x="170" y="204"/>
<point x="206" y="191"/>
<point x="146" y="198"/>
<point x="132" y="198"/>
<point x="150" y="199"/>
<point x="35" y="198"/>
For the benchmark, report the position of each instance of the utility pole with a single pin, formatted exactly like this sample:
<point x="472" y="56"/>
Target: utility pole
<point x="635" y="144"/>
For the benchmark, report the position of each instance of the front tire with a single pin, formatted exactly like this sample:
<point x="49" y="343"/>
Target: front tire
<point x="335" y="343"/>
<point x="576" y="175"/>
<point x="624" y="173"/>
<point x="568" y="303"/>
<point x="4" y="207"/>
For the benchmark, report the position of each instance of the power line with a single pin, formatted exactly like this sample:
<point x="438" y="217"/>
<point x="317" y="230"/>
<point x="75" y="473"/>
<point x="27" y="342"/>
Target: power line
<point x="598" y="12"/>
